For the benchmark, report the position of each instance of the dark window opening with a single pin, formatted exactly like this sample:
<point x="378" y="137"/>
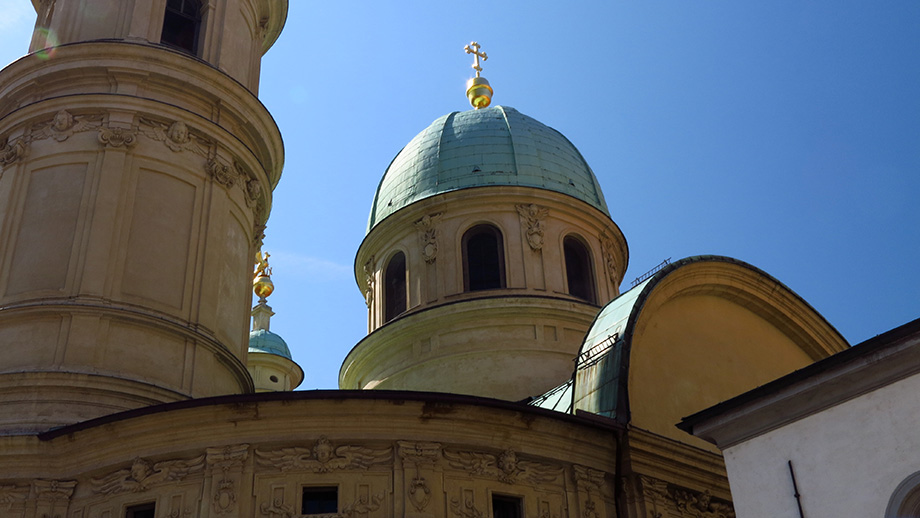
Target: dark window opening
<point x="395" y="287"/>
<point x="483" y="259"/>
<point x="320" y="500"/>
<point x="578" y="270"/>
<point x="141" y="511"/>
<point x="182" y="24"/>
<point x="506" y="507"/>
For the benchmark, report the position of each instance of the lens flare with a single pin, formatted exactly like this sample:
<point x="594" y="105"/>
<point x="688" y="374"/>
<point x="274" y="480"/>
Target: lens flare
<point x="48" y="40"/>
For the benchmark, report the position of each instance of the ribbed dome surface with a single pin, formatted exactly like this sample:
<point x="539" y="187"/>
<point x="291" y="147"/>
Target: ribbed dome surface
<point x="262" y="341"/>
<point x="491" y="146"/>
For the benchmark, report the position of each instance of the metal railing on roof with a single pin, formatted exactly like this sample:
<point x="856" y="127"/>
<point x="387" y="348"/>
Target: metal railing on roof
<point x="651" y="272"/>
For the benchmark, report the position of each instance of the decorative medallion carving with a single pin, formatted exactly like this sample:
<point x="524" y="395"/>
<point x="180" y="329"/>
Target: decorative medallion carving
<point x="117" y="137"/>
<point x="324" y="457"/>
<point x="465" y="509"/>
<point x="10" y="153"/>
<point x="277" y="509"/>
<point x="64" y="125"/>
<point x="142" y="475"/>
<point x="700" y="505"/>
<point x="505" y="467"/>
<point x="532" y="221"/>
<point x="224" y="498"/>
<point x="428" y="235"/>
<point x="221" y="173"/>
<point x="369" y="267"/>
<point x="419" y="493"/>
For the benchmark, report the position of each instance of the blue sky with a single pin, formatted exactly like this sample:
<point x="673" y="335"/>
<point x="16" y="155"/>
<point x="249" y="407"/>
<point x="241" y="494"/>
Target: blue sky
<point x="783" y="133"/>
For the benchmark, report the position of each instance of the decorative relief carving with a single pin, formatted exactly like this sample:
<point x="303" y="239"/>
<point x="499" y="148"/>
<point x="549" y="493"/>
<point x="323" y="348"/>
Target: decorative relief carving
<point x="700" y="505"/>
<point x="654" y="489"/>
<point x="227" y="457"/>
<point x="224" y="498"/>
<point x="369" y="268"/>
<point x="588" y="479"/>
<point x="506" y="467"/>
<point x="362" y="505"/>
<point x="64" y="125"/>
<point x="419" y="493"/>
<point x="428" y="235"/>
<point x="12" y="494"/>
<point x="465" y="509"/>
<point x="253" y="191"/>
<point x="142" y="475"/>
<point x="419" y="452"/>
<point x="221" y="173"/>
<point x="10" y="153"/>
<point x="277" y="509"/>
<point x="323" y="457"/>
<point x="117" y="137"/>
<point x="532" y="220"/>
<point x="174" y="135"/>
<point x="54" y="490"/>
<point x="607" y="248"/>
<point x="590" y="509"/>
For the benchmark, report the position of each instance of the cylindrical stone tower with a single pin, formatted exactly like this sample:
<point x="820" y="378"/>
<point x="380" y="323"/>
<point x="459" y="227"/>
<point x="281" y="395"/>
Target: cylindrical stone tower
<point x="136" y="170"/>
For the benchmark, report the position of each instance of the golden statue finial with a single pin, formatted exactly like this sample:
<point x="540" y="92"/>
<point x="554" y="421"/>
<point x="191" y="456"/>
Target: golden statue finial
<point x="261" y="280"/>
<point x="478" y="90"/>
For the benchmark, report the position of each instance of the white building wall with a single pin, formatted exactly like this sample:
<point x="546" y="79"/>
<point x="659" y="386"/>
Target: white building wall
<point x="848" y="459"/>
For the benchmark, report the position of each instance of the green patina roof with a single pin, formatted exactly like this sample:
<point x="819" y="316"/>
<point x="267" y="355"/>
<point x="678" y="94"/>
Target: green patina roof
<point x="264" y="341"/>
<point x="476" y="148"/>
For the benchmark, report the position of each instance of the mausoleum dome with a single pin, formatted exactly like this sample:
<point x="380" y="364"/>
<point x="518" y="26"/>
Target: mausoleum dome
<point x="476" y="148"/>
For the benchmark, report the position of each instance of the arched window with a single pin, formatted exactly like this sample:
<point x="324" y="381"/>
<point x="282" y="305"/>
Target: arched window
<point x="182" y="24"/>
<point x="483" y="259"/>
<point x="578" y="269"/>
<point x="395" y="287"/>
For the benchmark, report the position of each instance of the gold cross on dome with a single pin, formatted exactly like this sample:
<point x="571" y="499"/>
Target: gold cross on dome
<point x="473" y="48"/>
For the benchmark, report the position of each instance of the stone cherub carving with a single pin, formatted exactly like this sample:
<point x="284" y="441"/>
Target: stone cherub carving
<point x="323" y="457"/>
<point x="505" y="467"/>
<point x="142" y="475"/>
<point x="64" y="125"/>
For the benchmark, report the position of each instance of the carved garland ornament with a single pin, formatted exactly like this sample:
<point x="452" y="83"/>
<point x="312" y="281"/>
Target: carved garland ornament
<point x="428" y="235"/>
<point x="323" y="457"/>
<point x="532" y="221"/>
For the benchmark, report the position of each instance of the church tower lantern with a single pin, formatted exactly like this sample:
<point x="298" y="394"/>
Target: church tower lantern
<point x="136" y="171"/>
<point x="488" y="253"/>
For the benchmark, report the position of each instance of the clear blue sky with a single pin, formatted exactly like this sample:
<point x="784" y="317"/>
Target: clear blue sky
<point x="783" y="133"/>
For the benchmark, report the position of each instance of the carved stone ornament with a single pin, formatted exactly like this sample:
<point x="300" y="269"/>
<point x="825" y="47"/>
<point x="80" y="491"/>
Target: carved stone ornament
<point x="590" y="509"/>
<point x="419" y="493"/>
<point x="532" y="221"/>
<point x="10" y="153"/>
<point x="277" y="509"/>
<point x="589" y="479"/>
<point x="224" y="499"/>
<point x="54" y="490"/>
<point x="700" y="505"/>
<point x="141" y="476"/>
<point x="369" y="267"/>
<point x="221" y="173"/>
<point x="227" y="457"/>
<point x="12" y="494"/>
<point x="117" y="137"/>
<point x="465" y="509"/>
<point x="607" y="248"/>
<point x="64" y="125"/>
<point x="428" y="235"/>
<point x="419" y="452"/>
<point x="653" y="489"/>
<point x="253" y="191"/>
<point x="362" y="505"/>
<point x="324" y="457"/>
<point x="175" y="135"/>
<point x="506" y="467"/>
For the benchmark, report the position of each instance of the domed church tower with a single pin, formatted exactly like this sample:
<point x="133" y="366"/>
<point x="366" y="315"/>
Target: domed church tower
<point x="137" y="170"/>
<point x="488" y="252"/>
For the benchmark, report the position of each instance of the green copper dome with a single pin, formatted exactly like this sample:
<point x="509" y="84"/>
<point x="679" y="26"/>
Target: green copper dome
<point x="264" y="341"/>
<point x="476" y="148"/>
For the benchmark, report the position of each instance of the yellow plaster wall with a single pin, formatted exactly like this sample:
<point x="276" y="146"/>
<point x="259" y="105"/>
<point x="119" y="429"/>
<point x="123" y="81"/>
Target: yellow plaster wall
<point x="692" y="351"/>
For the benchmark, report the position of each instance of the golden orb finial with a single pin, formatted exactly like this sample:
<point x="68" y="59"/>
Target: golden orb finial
<point x="261" y="280"/>
<point x="478" y="90"/>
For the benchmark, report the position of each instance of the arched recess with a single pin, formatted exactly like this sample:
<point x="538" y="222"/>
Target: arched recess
<point x="395" y="293"/>
<point x="182" y="25"/>
<point x="905" y="501"/>
<point x="579" y="269"/>
<point x="483" y="258"/>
